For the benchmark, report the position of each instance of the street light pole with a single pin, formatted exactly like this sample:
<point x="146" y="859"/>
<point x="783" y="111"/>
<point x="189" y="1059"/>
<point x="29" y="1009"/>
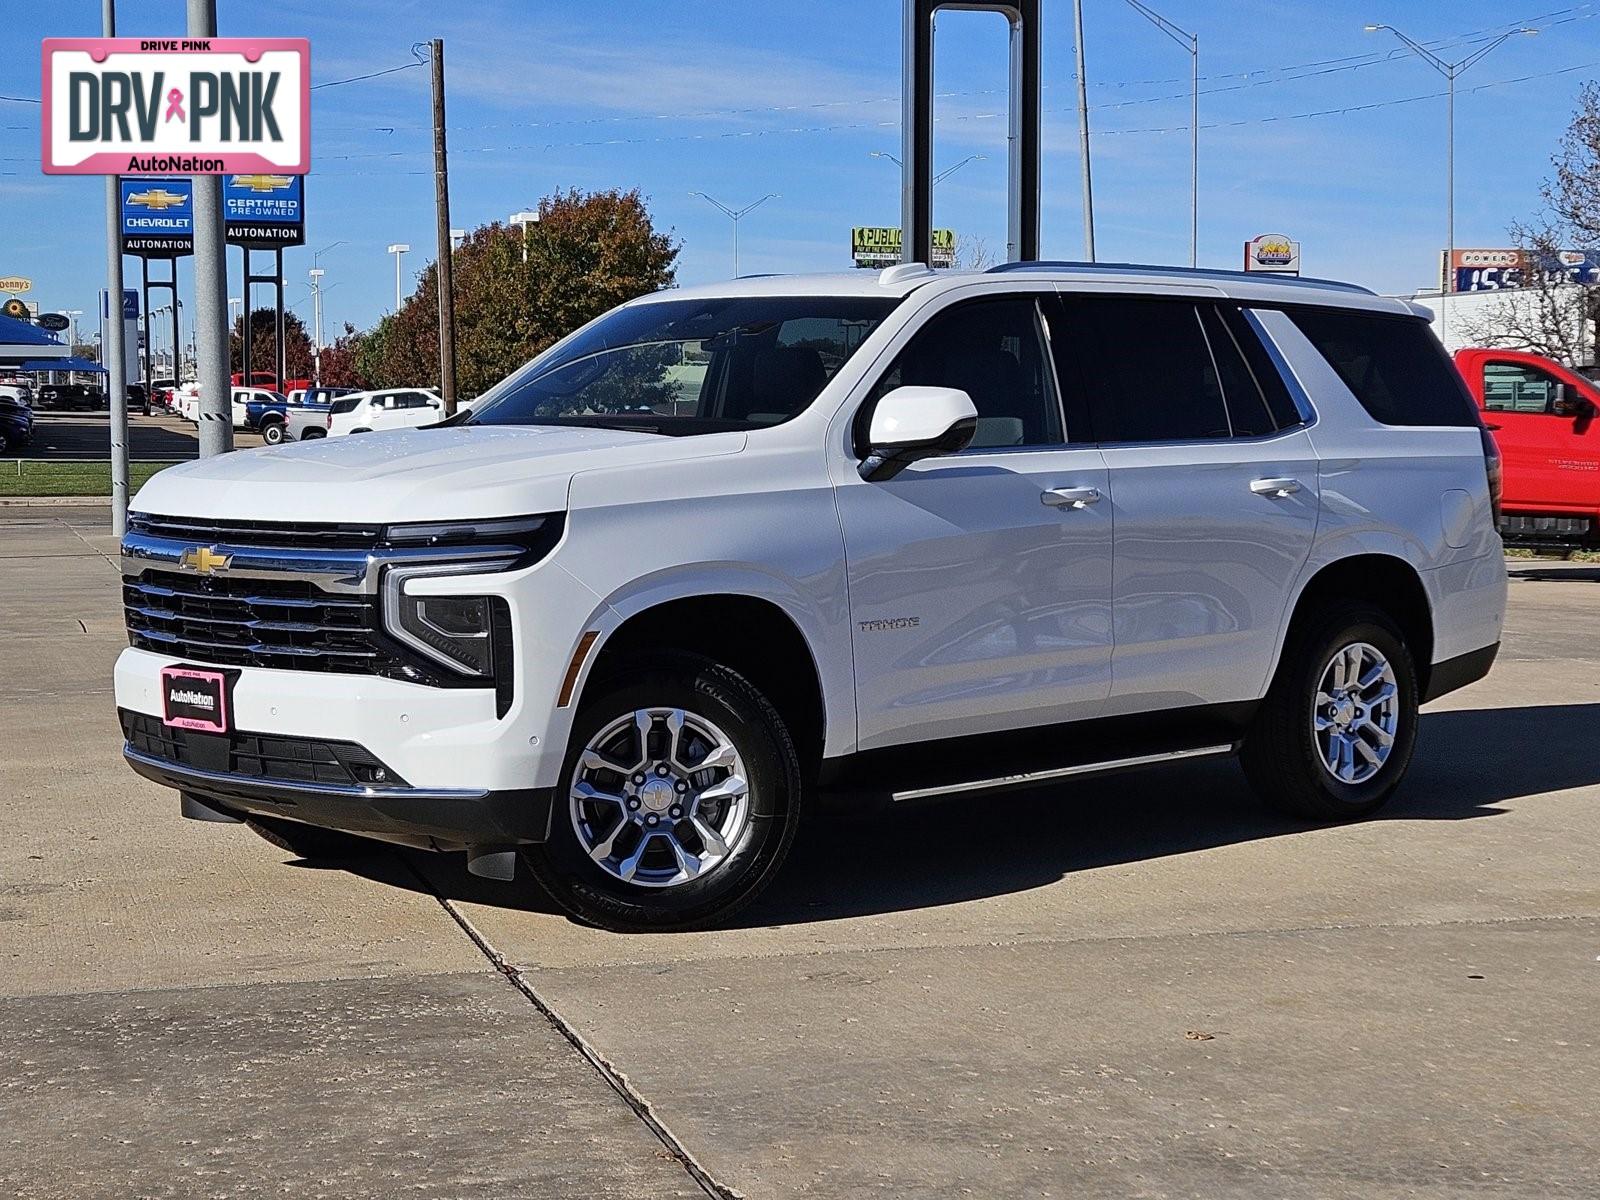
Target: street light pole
<point x="114" y="360"/>
<point x="735" y="215"/>
<point x="1191" y="43"/>
<point x="316" y="324"/>
<point x="1083" y="133"/>
<point x="528" y="216"/>
<point x="1450" y="70"/>
<point x="942" y="175"/>
<point x="397" y="249"/>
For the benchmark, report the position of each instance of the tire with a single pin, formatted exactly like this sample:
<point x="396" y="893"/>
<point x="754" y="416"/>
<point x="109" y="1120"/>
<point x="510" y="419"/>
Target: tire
<point x="361" y="431"/>
<point x="722" y="714"/>
<point x="1285" y="756"/>
<point x="311" y="841"/>
<point x="312" y="434"/>
<point x="272" y="433"/>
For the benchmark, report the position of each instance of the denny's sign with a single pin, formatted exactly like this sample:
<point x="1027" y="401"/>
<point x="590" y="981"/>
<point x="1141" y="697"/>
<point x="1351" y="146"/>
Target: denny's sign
<point x="170" y="106"/>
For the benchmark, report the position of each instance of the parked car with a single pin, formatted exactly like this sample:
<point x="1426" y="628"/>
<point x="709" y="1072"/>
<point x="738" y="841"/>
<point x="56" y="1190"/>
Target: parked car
<point x="70" y="397"/>
<point x="1542" y="415"/>
<point x="264" y="412"/>
<point x="624" y="623"/>
<point x="392" y="408"/>
<point x="309" y="420"/>
<point x="161" y="391"/>
<point x="137" y="399"/>
<point x="18" y="391"/>
<point x="16" y="420"/>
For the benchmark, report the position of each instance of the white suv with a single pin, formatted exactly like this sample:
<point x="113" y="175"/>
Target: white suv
<point x="907" y="534"/>
<point x="392" y="408"/>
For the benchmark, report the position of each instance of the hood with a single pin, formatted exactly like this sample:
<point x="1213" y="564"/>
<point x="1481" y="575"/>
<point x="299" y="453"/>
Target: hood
<point x="411" y="475"/>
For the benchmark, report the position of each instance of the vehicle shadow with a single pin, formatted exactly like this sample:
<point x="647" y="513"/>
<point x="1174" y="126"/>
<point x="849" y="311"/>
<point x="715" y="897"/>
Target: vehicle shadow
<point x="847" y="864"/>
<point x="1554" y="573"/>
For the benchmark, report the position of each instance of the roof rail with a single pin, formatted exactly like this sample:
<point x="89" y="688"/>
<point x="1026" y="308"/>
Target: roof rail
<point x="1189" y="272"/>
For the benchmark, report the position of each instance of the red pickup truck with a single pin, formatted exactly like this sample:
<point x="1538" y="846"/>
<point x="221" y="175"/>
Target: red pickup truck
<point x="1542" y="416"/>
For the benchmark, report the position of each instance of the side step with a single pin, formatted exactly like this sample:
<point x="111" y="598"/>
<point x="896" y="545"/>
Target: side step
<point x="1030" y="778"/>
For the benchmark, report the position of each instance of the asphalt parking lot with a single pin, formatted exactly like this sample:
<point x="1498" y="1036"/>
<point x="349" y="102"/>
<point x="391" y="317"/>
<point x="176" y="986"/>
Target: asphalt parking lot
<point x="86" y="437"/>
<point x="1137" y="987"/>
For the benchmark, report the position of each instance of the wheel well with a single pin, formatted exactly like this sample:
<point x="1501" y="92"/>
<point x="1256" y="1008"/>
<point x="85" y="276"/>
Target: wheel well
<point x="1389" y="583"/>
<point x="754" y="637"/>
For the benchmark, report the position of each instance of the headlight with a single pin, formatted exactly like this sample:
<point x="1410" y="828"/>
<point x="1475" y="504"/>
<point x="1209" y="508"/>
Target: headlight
<point x="458" y="631"/>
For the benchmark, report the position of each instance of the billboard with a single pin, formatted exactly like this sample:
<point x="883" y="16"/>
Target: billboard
<point x="879" y="246"/>
<point x="264" y="211"/>
<point x="1490" y="270"/>
<point x="1274" y="253"/>
<point x="171" y="106"/>
<point x="157" y="217"/>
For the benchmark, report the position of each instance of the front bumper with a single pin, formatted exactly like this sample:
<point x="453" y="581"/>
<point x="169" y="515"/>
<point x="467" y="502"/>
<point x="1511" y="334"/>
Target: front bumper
<point x="436" y="818"/>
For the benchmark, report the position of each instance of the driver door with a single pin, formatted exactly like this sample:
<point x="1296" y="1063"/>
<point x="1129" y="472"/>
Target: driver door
<point x="980" y="598"/>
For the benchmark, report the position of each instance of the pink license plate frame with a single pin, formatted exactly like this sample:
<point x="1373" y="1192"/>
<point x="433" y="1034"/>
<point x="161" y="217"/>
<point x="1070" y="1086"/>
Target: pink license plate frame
<point x="201" y="684"/>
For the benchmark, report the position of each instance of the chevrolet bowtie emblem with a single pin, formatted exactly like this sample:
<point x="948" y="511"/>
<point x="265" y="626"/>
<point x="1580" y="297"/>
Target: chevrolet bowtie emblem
<point x="204" y="560"/>
<point x="261" y="183"/>
<point x="158" y="199"/>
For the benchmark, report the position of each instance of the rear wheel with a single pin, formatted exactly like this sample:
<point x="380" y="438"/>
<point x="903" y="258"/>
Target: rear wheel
<point x="1335" y="733"/>
<point x="678" y="801"/>
<point x="272" y="433"/>
<point x="311" y="841"/>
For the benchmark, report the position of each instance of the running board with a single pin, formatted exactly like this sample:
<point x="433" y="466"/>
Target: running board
<point x="1032" y="777"/>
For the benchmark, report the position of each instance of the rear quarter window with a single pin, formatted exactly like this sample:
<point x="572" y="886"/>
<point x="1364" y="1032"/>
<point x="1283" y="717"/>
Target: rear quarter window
<point x="345" y="404"/>
<point x="1394" y="366"/>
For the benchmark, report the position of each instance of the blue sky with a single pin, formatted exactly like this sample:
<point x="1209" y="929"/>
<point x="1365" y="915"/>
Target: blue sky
<point x="739" y="99"/>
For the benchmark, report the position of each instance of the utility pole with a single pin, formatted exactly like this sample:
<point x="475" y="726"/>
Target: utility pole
<point x="211" y="287"/>
<point x="1450" y="70"/>
<point x="114" y="357"/>
<point x="445" y="267"/>
<point x="1191" y="43"/>
<point x="1083" y="134"/>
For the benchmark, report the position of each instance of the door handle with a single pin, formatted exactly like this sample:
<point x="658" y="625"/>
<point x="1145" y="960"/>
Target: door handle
<point x="1071" y="497"/>
<point x="1274" y="487"/>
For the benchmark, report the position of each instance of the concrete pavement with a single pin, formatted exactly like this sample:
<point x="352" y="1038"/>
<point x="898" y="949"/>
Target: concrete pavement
<point x="1136" y="987"/>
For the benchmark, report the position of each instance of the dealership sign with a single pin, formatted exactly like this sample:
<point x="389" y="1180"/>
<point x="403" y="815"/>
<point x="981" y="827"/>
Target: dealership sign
<point x="159" y="106"/>
<point x="157" y="217"/>
<point x="264" y="211"/>
<point x="879" y="246"/>
<point x="1273" y="253"/>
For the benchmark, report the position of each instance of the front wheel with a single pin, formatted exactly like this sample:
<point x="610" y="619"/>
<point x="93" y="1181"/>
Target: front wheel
<point x="678" y="801"/>
<point x="1335" y="733"/>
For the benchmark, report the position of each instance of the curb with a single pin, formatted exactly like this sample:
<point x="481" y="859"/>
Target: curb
<point x="55" y="501"/>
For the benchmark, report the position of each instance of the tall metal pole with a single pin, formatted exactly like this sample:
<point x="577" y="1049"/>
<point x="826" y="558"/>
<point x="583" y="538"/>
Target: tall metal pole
<point x="1450" y="174"/>
<point x="1194" y="150"/>
<point x="1083" y="134"/>
<point x="211" y="287"/>
<point x="114" y="353"/>
<point x="445" y="267"/>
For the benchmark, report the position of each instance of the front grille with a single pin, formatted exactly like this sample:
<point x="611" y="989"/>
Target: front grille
<point x="259" y="623"/>
<point x="258" y="533"/>
<point x="259" y="756"/>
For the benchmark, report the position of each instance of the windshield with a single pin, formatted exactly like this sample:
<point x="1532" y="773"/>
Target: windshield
<point x="690" y="366"/>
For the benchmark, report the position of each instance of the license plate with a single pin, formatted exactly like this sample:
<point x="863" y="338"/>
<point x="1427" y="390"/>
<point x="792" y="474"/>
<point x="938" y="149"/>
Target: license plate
<point x="194" y="698"/>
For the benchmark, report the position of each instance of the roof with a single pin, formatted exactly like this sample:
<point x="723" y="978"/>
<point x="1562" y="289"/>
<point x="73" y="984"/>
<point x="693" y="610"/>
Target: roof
<point x="23" y="339"/>
<point x="59" y="364"/>
<point x="905" y="278"/>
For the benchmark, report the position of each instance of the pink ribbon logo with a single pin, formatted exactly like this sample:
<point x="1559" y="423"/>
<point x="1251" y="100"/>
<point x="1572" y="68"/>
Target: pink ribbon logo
<point x="175" y="105"/>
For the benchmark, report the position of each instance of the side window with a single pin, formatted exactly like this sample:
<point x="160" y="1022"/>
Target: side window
<point x="1247" y="336"/>
<point x="993" y="350"/>
<point x="1147" y="369"/>
<point x="1247" y="407"/>
<point x="1515" y="387"/>
<point x="1394" y="365"/>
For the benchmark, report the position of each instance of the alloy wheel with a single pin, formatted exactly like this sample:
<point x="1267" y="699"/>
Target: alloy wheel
<point x="1356" y="713"/>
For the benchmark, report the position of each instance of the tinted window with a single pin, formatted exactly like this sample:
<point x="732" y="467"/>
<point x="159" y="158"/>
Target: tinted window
<point x="348" y="404"/>
<point x="1247" y="408"/>
<point x="690" y="366"/>
<point x="1515" y="387"/>
<point x="1269" y="378"/>
<point x="1393" y="365"/>
<point x="1147" y="370"/>
<point x="993" y="351"/>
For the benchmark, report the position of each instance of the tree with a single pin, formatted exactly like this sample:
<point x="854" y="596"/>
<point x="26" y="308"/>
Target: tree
<point x="1553" y="313"/>
<point x="264" y="344"/>
<point x="588" y="253"/>
<point x="341" y="360"/>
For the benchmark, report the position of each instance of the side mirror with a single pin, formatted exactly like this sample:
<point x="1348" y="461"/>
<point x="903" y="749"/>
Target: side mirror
<point x="1570" y="403"/>
<point x="912" y="423"/>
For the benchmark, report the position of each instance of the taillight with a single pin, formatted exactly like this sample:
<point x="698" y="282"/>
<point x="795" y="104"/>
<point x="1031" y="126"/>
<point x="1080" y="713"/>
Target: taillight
<point x="328" y="421"/>
<point x="1492" y="465"/>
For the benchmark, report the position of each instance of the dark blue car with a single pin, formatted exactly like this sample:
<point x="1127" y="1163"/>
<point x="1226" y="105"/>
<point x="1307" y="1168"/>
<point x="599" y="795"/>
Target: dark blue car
<point x="16" y="423"/>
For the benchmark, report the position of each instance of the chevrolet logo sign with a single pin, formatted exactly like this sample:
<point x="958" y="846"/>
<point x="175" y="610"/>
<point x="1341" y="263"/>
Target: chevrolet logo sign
<point x="205" y="560"/>
<point x="158" y="199"/>
<point x="261" y="183"/>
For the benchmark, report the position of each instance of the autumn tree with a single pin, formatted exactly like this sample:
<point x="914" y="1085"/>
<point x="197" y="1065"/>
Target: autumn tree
<point x="341" y="360"/>
<point x="518" y="291"/>
<point x="264" y="344"/>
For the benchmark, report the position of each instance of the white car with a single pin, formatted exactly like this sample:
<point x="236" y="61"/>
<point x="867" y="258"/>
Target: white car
<point x="908" y="534"/>
<point x="389" y="408"/>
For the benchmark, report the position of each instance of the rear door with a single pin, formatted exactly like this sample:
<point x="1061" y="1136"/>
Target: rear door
<point x="1552" y="455"/>
<point x="1213" y="489"/>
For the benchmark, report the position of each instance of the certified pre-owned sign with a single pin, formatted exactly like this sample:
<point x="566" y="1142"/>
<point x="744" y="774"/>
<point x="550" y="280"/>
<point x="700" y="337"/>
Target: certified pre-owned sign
<point x="160" y="106"/>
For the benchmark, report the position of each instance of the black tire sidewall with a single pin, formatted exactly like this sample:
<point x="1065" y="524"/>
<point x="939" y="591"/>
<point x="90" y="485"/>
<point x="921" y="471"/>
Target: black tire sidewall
<point x="772" y="771"/>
